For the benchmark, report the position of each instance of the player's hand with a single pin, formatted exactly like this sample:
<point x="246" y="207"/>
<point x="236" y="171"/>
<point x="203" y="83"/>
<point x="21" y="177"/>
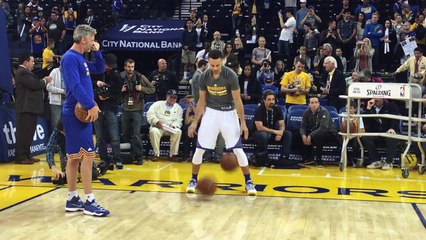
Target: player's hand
<point x="244" y="131"/>
<point x="192" y="130"/>
<point x="95" y="46"/>
<point x="93" y="114"/>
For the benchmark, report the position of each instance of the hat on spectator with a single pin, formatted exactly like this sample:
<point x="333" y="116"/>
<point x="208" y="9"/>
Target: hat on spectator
<point x="36" y="19"/>
<point x="302" y="1"/>
<point x="172" y="93"/>
<point x="111" y="60"/>
<point x="311" y="7"/>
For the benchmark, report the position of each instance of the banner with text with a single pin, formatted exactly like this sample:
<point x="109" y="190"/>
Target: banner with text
<point x="401" y="91"/>
<point x="8" y="135"/>
<point x="145" y="35"/>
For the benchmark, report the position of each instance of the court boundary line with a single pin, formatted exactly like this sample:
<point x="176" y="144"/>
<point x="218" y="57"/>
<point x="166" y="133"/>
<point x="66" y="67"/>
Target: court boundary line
<point x="419" y="214"/>
<point x="28" y="199"/>
<point x="299" y="175"/>
<point x="6" y="187"/>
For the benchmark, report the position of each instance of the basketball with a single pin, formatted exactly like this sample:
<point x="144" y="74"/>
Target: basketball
<point x="206" y="185"/>
<point x="80" y="112"/>
<point x="229" y="161"/>
<point x="353" y="128"/>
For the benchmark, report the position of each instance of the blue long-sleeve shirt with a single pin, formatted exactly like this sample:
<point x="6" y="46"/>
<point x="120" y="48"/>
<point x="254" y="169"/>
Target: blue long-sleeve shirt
<point x="374" y="31"/>
<point x="78" y="85"/>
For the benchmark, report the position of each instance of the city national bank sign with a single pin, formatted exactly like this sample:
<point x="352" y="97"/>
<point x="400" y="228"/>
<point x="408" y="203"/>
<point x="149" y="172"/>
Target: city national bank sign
<point x="145" y="35"/>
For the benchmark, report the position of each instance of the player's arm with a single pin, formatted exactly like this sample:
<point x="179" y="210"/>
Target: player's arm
<point x="240" y="111"/>
<point x="199" y="109"/>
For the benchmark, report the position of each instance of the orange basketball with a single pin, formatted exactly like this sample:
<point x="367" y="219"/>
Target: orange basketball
<point x="353" y="128"/>
<point x="228" y="161"/>
<point x="206" y="185"/>
<point x="80" y="112"/>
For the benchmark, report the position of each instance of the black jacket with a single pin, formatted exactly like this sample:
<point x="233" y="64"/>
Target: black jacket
<point x="115" y="81"/>
<point x="314" y="123"/>
<point x="337" y="87"/>
<point x="253" y="90"/>
<point x="29" y="92"/>
<point x="382" y="124"/>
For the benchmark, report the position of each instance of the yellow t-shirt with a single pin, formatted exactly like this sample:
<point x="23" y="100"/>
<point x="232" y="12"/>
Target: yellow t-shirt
<point x="296" y="80"/>
<point x="47" y="55"/>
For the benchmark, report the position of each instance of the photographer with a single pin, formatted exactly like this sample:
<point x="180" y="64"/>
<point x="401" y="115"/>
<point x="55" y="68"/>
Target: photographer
<point x="163" y="80"/>
<point x="265" y="73"/>
<point x="133" y="90"/>
<point x="363" y="55"/>
<point x="107" y="95"/>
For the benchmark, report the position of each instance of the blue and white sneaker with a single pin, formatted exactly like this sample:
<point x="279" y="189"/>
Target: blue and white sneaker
<point x="251" y="190"/>
<point x="74" y="205"/>
<point x="94" y="209"/>
<point x="191" y="186"/>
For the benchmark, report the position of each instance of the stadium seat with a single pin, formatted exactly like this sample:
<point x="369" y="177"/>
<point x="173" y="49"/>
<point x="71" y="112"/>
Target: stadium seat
<point x="335" y="117"/>
<point x="297" y="107"/>
<point x="330" y="108"/>
<point x="294" y="119"/>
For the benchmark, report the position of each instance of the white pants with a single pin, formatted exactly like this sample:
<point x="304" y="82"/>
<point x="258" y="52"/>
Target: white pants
<point x="215" y="121"/>
<point x="155" y="135"/>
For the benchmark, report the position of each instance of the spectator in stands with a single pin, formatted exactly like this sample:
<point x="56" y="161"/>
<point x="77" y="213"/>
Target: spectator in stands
<point x="188" y="116"/>
<point x="118" y="10"/>
<point x="300" y="14"/>
<point x="311" y="43"/>
<point x="56" y="91"/>
<point x="24" y="23"/>
<point x="56" y="31"/>
<point x="163" y="80"/>
<point x="312" y="18"/>
<point x="249" y="86"/>
<point x="237" y="14"/>
<point x="329" y="35"/>
<point x="366" y="8"/>
<point x="345" y="7"/>
<point x="49" y="57"/>
<point x="201" y="34"/>
<point x="317" y="129"/>
<point x="374" y="31"/>
<point x="415" y="65"/>
<point x="70" y="22"/>
<point x="269" y="127"/>
<point x="302" y="55"/>
<point x="398" y="25"/>
<point x="360" y="26"/>
<point x="82" y="9"/>
<point x="165" y="118"/>
<point x="296" y="84"/>
<point x="265" y="73"/>
<point x="260" y="53"/>
<point x="189" y="41"/>
<point x="38" y="38"/>
<point x="366" y="76"/>
<point x="239" y="51"/>
<point x="397" y="6"/>
<point x="228" y="54"/>
<point x="279" y="71"/>
<point x="5" y="6"/>
<point x="406" y="32"/>
<point x="217" y="44"/>
<point x="419" y="29"/>
<point x="204" y="53"/>
<point x="339" y="54"/>
<point x="195" y="82"/>
<point x="317" y="59"/>
<point x="90" y="19"/>
<point x="207" y="26"/>
<point x="346" y="33"/>
<point x="359" y="123"/>
<point x="135" y="87"/>
<point x="107" y="96"/>
<point x="28" y="105"/>
<point x="288" y="27"/>
<point x="35" y="7"/>
<point x="388" y="44"/>
<point x="328" y="51"/>
<point x="335" y="83"/>
<point x="193" y="15"/>
<point x="363" y="55"/>
<point x="407" y="14"/>
<point x="252" y="30"/>
<point x="353" y="78"/>
<point x="380" y="125"/>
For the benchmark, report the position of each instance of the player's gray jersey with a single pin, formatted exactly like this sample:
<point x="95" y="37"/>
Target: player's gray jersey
<point x="218" y="91"/>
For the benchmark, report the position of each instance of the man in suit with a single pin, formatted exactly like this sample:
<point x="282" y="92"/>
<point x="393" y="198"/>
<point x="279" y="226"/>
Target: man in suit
<point x="28" y="105"/>
<point x="335" y="83"/>
<point x="90" y="19"/>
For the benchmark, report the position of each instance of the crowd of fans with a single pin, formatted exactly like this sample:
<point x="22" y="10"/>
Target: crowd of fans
<point x="310" y="57"/>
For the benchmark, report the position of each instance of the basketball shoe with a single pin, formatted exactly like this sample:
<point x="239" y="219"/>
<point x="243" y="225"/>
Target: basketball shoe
<point x="376" y="164"/>
<point x="94" y="209"/>
<point x="192" y="185"/>
<point x="251" y="191"/>
<point x="74" y="205"/>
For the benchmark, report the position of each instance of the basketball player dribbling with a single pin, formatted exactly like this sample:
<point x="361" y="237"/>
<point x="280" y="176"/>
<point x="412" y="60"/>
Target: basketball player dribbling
<point x="79" y="135"/>
<point x="220" y="105"/>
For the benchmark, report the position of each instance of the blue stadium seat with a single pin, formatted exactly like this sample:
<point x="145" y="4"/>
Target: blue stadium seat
<point x="335" y="117"/>
<point x="252" y="106"/>
<point x="297" y="107"/>
<point x="294" y="119"/>
<point x="284" y="109"/>
<point x="330" y="108"/>
<point x="249" y="115"/>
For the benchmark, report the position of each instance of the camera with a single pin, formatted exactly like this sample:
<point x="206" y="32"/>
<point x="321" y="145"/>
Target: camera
<point x="60" y="180"/>
<point x="103" y="91"/>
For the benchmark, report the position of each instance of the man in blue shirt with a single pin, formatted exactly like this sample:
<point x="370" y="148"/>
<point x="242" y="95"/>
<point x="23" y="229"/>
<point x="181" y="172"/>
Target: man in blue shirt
<point x="374" y="31"/>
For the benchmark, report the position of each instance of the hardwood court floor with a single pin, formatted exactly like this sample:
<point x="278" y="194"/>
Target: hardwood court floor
<point x="148" y="202"/>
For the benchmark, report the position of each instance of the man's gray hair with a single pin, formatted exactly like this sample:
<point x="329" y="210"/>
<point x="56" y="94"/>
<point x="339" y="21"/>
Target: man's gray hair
<point x="82" y="31"/>
<point x="332" y="60"/>
<point x="328" y="45"/>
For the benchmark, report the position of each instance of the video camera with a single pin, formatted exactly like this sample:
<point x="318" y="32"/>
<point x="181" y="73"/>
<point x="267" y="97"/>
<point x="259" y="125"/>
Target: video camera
<point x="103" y="91"/>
